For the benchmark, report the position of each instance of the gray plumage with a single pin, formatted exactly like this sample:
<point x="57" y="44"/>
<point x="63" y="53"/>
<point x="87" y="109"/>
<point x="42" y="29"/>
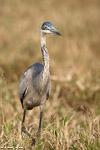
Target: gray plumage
<point x="31" y="92"/>
<point x="35" y="85"/>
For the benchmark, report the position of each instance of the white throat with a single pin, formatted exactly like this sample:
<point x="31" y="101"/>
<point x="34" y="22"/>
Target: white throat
<point x="43" y="38"/>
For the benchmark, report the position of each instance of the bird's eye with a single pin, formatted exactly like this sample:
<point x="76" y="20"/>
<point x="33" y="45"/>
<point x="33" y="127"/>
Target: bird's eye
<point x="45" y="27"/>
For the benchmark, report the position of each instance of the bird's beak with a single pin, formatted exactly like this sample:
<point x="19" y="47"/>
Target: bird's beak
<point x="53" y="30"/>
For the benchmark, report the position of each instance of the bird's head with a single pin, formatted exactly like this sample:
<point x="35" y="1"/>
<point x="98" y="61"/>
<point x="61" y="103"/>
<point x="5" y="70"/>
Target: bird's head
<point x="48" y="28"/>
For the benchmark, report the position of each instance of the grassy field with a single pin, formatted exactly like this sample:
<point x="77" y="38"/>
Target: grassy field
<point x="71" y="119"/>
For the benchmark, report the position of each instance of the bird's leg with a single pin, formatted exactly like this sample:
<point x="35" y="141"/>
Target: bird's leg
<point x="23" y="129"/>
<point x="39" y="129"/>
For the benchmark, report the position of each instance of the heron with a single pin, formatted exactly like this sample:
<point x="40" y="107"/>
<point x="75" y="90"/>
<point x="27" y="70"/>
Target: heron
<point x="35" y="85"/>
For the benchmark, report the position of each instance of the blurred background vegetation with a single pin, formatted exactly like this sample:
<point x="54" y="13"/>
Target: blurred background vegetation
<point x="74" y="68"/>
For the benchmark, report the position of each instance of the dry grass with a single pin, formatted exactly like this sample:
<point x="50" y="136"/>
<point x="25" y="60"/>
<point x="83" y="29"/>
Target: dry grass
<point x="71" y="118"/>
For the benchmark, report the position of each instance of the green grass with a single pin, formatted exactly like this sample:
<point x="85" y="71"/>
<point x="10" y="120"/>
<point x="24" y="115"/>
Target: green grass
<point x="71" y="119"/>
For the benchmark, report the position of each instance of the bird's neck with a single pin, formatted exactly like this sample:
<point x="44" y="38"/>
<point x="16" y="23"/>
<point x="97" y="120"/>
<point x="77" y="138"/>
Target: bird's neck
<point x="45" y="55"/>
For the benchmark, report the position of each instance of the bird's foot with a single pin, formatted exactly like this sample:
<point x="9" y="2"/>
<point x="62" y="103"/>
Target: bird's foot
<point x="23" y="129"/>
<point x="38" y="135"/>
<point x="33" y="142"/>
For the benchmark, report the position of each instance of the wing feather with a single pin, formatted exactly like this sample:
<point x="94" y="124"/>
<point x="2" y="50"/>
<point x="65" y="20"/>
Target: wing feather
<point x="27" y="79"/>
